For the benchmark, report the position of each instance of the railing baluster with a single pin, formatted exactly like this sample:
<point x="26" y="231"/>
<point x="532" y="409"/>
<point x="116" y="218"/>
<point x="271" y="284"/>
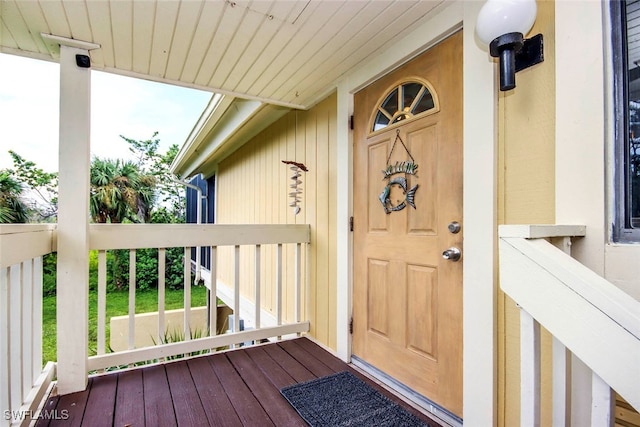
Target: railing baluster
<point x="298" y="276"/>
<point x="102" y="301"/>
<point x="162" y="262"/>
<point x="529" y="370"/>
<point x="36" y="337"/>
<point x="561" y="379"/>
<point x="307" y="294"/>
<point x="5" y="331"/>
<point x="279" y="286"/>
<point x="213" y="305"/>
<point x="602" y="402"/>
<point x="187" y="294"/>
<point x="26" y="291"/>
<point x="132" y="299"/>
<point x="236" y="290"/>
<point x="256" y="289"/>
<point x="561" y="369"/>
<point x="15" y="335"/>
<point x="285" y="310"/>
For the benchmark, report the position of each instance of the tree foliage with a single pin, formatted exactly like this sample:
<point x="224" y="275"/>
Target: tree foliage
<point x="13" y="209"/>
<point x="141" y="190"/>
<point x="120" y="192"/>
<point x="39" y="189"/>
<point x="152" y="162"/>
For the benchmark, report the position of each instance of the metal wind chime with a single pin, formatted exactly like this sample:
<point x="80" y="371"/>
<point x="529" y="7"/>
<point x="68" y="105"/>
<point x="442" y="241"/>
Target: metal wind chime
<point x="296" y="191"/>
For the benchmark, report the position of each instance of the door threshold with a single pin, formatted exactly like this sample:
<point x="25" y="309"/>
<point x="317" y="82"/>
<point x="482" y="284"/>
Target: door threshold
<point x="440" y="414"/>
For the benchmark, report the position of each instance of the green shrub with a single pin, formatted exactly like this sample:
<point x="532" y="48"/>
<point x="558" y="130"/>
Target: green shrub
<point x="49" y="265"/>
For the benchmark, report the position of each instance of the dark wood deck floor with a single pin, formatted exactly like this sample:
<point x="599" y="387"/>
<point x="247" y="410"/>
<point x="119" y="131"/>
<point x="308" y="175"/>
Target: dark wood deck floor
<point x="235" y="388"/>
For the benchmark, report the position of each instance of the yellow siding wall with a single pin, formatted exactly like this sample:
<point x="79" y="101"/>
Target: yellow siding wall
<point x="252" y="188"/>
<point x="526" y="131"/>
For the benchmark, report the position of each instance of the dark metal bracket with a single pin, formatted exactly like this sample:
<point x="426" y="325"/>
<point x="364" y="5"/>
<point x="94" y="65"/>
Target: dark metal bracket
<point x="531" y="53"/>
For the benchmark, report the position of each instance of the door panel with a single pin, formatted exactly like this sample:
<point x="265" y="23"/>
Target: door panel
<point x="407" y="298"/>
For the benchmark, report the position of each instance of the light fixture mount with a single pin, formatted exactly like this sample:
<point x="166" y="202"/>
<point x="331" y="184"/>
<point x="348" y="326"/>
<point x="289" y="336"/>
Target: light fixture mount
<point x="515" y="53"/>
<point x="502" y="25"/>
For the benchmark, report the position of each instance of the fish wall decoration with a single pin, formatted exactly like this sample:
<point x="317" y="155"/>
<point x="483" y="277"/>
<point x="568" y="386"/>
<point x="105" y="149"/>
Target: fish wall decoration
<point x="406" y="168"/>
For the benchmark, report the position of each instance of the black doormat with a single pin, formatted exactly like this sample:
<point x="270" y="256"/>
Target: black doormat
<point x="342" y="399"/>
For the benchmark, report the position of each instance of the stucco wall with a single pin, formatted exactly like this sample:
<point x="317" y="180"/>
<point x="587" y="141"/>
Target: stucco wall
<point x="253" y="187"/>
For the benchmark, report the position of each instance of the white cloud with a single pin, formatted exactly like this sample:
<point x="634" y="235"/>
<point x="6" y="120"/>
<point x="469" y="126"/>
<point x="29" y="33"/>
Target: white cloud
<point x="120" y="106"/>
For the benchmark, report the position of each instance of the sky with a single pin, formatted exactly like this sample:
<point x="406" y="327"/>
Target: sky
<point x="135" y="108"/>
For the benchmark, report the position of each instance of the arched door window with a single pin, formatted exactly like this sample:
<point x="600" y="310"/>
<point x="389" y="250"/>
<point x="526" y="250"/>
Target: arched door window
<point x="403" y="102"/>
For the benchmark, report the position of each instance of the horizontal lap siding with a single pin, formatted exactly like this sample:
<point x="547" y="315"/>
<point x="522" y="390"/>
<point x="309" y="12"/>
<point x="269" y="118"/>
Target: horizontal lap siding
<point x="253" y="187"/>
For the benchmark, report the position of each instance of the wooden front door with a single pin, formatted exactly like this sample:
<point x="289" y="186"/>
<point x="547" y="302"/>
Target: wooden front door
<point x="407" y="310"/>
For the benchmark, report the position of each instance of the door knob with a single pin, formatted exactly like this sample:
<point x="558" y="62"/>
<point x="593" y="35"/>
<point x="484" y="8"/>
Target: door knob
<point x="451" y="254"/>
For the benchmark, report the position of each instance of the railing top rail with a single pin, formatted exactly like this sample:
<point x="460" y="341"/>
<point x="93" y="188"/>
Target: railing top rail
<point x="137" y="236"/>
<point x="541" y="231"/>
<point x="599" y="292"/>
<point x="21" y="242"/>
<point x="593" y="318"/>
<point x="25" y="228"/>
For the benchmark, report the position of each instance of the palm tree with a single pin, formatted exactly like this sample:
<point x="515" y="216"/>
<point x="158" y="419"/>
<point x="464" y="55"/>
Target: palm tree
<point x="120" y="192"/>
<point x="12" y="209"/>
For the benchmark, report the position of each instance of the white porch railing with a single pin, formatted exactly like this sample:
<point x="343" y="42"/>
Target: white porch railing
<point x="23" y="380"/>
<point x="131" y="237"/>
<point x="587" y="315"/>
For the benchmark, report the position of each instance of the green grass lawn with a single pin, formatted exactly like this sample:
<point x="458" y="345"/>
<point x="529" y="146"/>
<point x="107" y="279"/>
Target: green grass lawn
<point x="117" y="305"/>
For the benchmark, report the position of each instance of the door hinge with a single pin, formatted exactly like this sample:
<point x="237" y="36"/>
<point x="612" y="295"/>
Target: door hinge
<point x="351" y="326"/>
<point x="351" y="122"/>
<point x="351" y="223"/>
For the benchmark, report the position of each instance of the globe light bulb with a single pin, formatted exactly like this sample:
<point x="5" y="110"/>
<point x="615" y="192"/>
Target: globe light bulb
<point x="498" y="17"/>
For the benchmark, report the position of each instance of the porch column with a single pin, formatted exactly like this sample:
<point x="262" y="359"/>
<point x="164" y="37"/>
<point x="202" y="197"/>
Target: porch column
<point x="73" y="217"/>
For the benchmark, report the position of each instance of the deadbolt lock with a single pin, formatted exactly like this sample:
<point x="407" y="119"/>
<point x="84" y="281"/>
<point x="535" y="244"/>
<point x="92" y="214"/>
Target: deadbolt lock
<point x="454" y="227"/>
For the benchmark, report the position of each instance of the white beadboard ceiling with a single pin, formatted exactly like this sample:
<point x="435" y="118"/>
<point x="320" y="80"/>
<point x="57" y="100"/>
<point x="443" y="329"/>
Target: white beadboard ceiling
<point x="288" y="53"/>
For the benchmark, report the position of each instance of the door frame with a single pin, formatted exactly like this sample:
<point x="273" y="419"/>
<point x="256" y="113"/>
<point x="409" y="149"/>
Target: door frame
<point x="479" y="198"/>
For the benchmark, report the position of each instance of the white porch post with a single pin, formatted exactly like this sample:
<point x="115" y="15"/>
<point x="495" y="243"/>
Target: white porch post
<point x="480" y="391"/>
<point x="73" y="218"/>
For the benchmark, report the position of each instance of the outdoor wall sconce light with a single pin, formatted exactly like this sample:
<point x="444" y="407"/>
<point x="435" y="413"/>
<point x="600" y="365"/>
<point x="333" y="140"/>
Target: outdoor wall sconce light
<point x="502" y="24"/>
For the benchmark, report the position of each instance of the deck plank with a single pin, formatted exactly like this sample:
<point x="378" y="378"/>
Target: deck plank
<point x="247" y="406"/>
<point x="270" y="368"/>
<point x="275" y="405"/>
<point x="101" y="402"/>
<point x="128" y="398"/>
<point x="322" y="355"/>
<point x="186" y="401"/>
<point x="70" y="408"/>
<point x="318" y="368"/>
<point x="293" y="367"/>
<point x="158" y="407"/>
<point x="215" y="401"/>
<point x="235" y="388"/>
<point x="47" y="409"/>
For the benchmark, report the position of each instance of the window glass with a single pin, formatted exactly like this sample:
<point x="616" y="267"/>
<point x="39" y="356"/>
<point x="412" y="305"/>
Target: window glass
<point x="403" y="102"/>
<point x="390" y="104"/>
<point x="381" y="121"/>
<point x="625" y="38"/>
<point x="409" y="93"/>
<point x="633" y="93"/>
<point x="425" y="103"/>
